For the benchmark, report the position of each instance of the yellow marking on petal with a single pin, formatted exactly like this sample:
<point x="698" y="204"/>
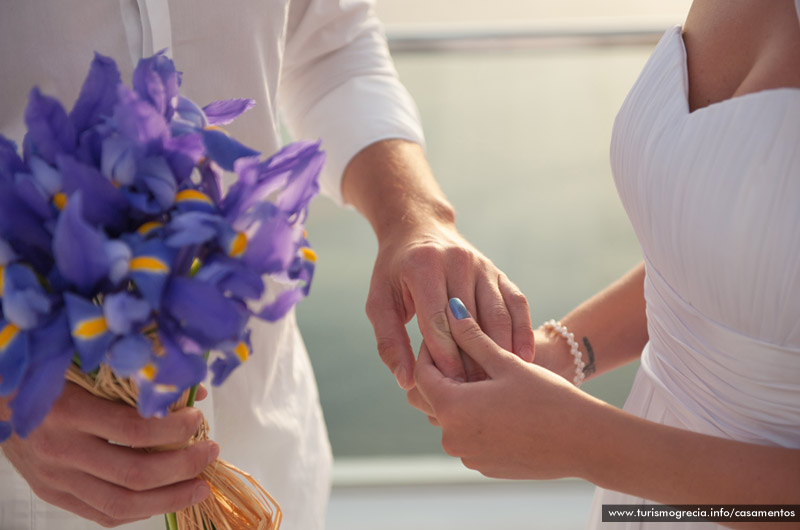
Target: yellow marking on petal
<point x="192" y="195"/>
<point x="308" y="254"/>
<point x="148" y="227"/>
<point x="90" y="328"/>
<point x="242" y="352"/>
<point x="238" y="245"/>
<point x="7" y="335"/>
<point x="149" y="264"/>
<point x="216" y="128"/>
<point x="165" y="389"/>
<point x="148" y="371"/>
<point x="60" y="200"/>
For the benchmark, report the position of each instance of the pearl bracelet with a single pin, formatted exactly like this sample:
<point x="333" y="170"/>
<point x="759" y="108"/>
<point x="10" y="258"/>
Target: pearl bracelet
<point x="561" y="329"/>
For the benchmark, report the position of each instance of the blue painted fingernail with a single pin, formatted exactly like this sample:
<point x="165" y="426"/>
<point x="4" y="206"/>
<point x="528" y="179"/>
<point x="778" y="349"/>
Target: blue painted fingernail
<point x="458" y="308"/>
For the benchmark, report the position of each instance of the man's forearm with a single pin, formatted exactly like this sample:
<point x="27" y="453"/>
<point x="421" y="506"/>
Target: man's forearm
<point x="392" y="185"/>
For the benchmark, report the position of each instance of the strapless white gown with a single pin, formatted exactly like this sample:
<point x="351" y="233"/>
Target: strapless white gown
<point x="714" y="198"/>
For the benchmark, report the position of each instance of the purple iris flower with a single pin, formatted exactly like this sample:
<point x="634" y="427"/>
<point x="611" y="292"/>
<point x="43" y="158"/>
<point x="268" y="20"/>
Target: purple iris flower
<point x="114" y="228"/>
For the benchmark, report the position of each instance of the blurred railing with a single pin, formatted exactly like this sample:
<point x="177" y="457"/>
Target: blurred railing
<point x="510" y="36"/>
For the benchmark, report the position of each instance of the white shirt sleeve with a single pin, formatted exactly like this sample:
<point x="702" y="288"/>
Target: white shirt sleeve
<point x="339" y="84"/>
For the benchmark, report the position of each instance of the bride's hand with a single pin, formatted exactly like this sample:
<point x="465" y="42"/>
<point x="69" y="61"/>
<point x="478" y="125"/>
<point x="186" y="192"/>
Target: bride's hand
<point x="524" y="421"/>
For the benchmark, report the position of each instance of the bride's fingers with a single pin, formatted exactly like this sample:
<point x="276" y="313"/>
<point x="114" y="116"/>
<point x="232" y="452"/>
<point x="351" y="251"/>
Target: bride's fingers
<point x="471" y="339"/>
<point x="416" y="400"/>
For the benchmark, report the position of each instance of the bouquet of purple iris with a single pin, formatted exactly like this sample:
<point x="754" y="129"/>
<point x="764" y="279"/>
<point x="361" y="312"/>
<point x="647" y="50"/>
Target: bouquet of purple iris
<point x="120" y="250"/>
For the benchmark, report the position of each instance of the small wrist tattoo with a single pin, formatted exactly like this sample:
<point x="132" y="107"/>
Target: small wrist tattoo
<point x="589" y="369"/>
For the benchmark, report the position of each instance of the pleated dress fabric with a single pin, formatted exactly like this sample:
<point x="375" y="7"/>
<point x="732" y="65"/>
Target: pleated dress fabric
<point x="714" y="198"/>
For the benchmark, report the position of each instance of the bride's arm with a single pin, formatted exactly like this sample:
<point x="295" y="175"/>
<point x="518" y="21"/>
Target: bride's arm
<point x="525" y="422"/>
<point x="610" y="329"/>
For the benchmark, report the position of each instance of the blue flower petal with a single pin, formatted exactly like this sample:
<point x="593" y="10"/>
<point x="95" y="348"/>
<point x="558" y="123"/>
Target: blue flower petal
<point x="50" y="356"/>
<point x="79" y="249"/>
<point x="5" y="431"/>
<point x="273" y="245"/>
<point x="223" y="149"/>
<point x="156" y="81"/>
<point x="139" y="122"/>
<point x="232" y="358"/>
<point x="281" y="305"/>
<point x="232" y="276"/>
<point x="189" y="114"/>
<point x="89" y="330"/>
<point x="124" y="312"/>
<point x="119" y="256"/>
<point x="49" y="130"/>
<point x="162" y="384"/>
<point x="118" y="160"/>
<point x="46" y="176"/>
<point x="203" y="312"/>
<point x="98" y="94"/>
<point x="155" y="175"/>
<point x="129" y="354"/>
<point x="25" y="302"/>
<point x="224" y="112"/>
<point x="22" y="226"/>
<point x="10" y="161"/>
<point x="7" y="255"/>
<point x="13" y="356"/>
<point x="303" y="182"/>
<point x="183" y="153"/>
<point x="103" y="204"/>
<point x="150" y="268"/>
<point x="192" y="228"/>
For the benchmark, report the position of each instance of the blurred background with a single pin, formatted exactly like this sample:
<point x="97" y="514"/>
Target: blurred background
<point x="517" y="99"/>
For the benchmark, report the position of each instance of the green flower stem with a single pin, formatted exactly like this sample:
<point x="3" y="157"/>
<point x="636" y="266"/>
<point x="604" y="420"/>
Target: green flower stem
<point x="172" y="518"/>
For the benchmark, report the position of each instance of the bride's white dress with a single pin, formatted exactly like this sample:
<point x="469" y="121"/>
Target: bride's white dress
<point x="714" y="198"/>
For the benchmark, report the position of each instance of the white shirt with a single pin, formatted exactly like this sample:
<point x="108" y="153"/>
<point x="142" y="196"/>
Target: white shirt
<point x="325" y="65"/>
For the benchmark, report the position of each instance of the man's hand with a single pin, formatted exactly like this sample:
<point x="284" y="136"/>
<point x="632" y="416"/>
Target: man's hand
<point x="422" y="262"/>
<point x="69" y="462"/>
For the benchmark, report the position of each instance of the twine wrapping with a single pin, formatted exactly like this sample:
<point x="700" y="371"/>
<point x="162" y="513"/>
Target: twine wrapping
<point x="237" y="501"/>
